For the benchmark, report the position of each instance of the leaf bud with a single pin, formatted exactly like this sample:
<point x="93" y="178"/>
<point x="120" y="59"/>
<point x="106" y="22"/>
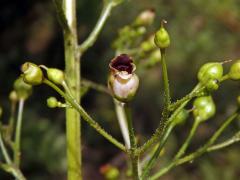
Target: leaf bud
<point x="32" y="74"/>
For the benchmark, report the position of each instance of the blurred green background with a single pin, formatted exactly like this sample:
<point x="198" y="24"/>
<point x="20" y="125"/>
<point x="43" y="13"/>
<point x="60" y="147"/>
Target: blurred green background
<point x="200" y="31"/>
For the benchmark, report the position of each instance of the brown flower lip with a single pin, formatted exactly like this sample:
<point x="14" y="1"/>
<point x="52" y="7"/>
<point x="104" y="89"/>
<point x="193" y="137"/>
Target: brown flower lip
<point x="122" y="63"/>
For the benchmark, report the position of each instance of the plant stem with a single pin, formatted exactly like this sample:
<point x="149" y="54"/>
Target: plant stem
<point x="73" y="79"/>
<point x="85" y="116"/>
<point x="155" y="156"/>
<point x="95" y="86"/>
<point x="167" y="99"/>
<point x="133" y="144"/>
<point x="97" y="29"/>
<point x="161" y="127"/>
<point x="17" y="142"/>
<point x="4" y="150"/>
<point x="188" y="140"/>
<point x="197" y="153"/>
<point x="122" y="120"/>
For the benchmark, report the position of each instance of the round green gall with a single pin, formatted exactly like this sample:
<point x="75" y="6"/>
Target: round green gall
<point x="204" y="108"/>
<point x="162" y="39"/>
<point x="23" y="90"/>
<point x="52" y="102"/>
<point x="212" y="70"/>
<point x="55" y="75"/>
<point x="234" y="72"/>
<point x="32" y="74"/>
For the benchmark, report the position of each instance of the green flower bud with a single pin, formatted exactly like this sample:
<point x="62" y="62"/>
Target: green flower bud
<point x="162" y="39"/>
<point x="212" y="85"/>
<point x="145" y="18"/>
<point x="13" y="96"/>
<point x="52" y="102"/>
<point x="148" y="45"/>
<point x="32" y="74"/>
<point x="234" y="72"/>
<point x="123" y="82"/>
<point x="55" y="75"/>
<point x="181" y="117"/>
<point x="22" y="89"/>
<point x="212" y="70"/>
<point x="204" y="108"/>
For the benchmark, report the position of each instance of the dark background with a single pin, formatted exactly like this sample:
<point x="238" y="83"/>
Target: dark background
<point x="200" y="31"/>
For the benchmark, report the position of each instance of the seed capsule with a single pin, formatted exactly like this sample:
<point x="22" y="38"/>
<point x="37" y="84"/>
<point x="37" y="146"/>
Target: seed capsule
<point x="22" y="89"/>
<point x="32" y="74"/>
<point x="234" y="72"/>
<point x="162" y="39"/>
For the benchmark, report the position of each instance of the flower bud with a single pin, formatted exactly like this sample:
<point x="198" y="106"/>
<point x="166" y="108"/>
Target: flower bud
<point x="32" y="74"/>
<point x="55" y="75"/>
<point x="204" y="108"/>
<point x="162" y="39"/>
<point x="234" y="72"/>
<point x="22" y="89"/>
<point x="148" y="45"/>
<point x="212" y="70"/>
<point x="13" y="96"/>
<point x="52" y="102"/>
<point x="123" y="82"/>
<point x="145" y="18"/>
<point x="110" y="172"/>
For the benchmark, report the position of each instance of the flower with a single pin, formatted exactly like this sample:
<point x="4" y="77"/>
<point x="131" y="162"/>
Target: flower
<point x="123" y="82"/>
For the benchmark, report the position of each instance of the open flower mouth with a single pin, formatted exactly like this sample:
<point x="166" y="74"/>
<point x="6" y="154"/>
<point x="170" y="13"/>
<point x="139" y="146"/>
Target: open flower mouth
<point x="122" y="63"/>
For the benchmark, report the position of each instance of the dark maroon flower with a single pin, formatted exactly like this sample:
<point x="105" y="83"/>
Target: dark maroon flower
<point x="123" y="82"/>
<point x="122" y="63"/>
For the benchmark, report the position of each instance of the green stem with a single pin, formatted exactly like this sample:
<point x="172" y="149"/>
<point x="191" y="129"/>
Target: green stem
<point x="17" y="141"/>
<point x="73" y="80"/>
<point x="4" y="150"/>
<point x="85" y="116"/>
<point x="232" y="140"/>
<point x="95" y="86"/>
<point x="122" y="120"/>
<point x="188" y="140"/>
<point x="133" y="144"/>
<point x="161" y="128"/>
<point x="199" y="152"/>
<point x="167" y="99"/>
<point x="97" y="29"/>
<point x="155" y="156"/>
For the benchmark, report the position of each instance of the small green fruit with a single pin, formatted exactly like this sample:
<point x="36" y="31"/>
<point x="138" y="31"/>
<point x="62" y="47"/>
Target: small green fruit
<point x="204" y="108"/>
<point x="32" y="74"/>
<point x="181" y="117"/>
<point x="162" y="39"/>
<point x="22" y="89"/>
<point x="55" y="75"/>
<point x="212" y="70"/>
<point x="234" y="72"/>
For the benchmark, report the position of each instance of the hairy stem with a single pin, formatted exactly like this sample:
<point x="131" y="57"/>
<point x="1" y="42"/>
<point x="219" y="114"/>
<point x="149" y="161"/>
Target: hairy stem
<point x="133" y="145"/>
<point x="198" y="152"/>
<point x="86" y="116"/>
